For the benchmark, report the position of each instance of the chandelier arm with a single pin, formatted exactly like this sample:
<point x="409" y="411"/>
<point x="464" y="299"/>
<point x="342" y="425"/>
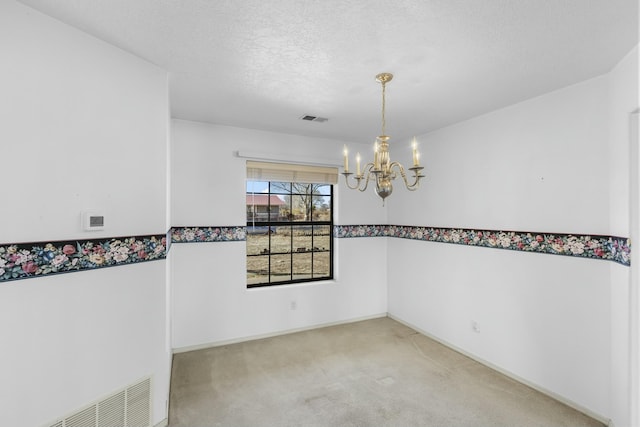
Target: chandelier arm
<point x="346" y="180"/>
<point x="359" y="178"/>
<point x="367" y="171"/>
<point x="417" y="175"/>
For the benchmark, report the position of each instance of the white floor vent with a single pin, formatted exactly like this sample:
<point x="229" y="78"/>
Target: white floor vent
<point x="130" y="407"/>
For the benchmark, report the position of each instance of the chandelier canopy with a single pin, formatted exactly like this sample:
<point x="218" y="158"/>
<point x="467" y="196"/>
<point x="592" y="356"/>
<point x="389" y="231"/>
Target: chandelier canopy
<point x="382" y="170"/>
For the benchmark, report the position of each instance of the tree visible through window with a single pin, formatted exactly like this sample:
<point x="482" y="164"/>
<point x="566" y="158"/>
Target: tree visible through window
<point x="289" y="232"/>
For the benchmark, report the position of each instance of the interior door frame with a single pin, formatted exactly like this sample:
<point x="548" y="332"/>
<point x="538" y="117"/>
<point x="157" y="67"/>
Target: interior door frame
<point x="634" y="277"/>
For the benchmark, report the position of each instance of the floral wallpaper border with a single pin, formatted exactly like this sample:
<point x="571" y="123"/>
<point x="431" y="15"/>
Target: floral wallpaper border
<point x="611" y="248"/>
<point x="37" y="259"/>
<point x="208" y="234"/>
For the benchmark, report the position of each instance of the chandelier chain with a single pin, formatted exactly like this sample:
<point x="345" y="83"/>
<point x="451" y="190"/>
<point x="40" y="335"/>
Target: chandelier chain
<point x="384" y="120"/>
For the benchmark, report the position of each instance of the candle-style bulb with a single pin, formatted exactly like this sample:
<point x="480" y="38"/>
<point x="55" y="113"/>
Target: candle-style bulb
<point x="346" y="159"/>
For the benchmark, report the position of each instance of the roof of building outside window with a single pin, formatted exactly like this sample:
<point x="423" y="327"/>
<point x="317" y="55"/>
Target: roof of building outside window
<point x="264" y="200"/>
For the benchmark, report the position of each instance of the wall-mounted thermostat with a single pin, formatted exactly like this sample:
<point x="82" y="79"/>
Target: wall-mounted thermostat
<point x="92" y="221"/>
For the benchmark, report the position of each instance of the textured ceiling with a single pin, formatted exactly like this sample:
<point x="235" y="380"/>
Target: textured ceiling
<point x="263" y="64"/>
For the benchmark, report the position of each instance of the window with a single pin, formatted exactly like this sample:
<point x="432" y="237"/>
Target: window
<point x="289" y="226"/>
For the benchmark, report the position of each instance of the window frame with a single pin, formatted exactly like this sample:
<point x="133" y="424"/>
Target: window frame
<point x="271" y="223"/>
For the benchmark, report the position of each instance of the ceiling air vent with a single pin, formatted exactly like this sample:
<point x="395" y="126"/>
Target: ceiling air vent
<point x="314" y="118"/>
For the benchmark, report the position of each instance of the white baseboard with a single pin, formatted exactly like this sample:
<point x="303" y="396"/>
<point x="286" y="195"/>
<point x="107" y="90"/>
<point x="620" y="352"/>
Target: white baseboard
<point x="163" y="423"/>
<point x="273" y="334"/>
<point x="511" y="375"/>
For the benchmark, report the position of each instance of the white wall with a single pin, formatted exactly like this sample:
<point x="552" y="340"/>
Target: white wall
<point x="543" y="318"/>
<point x="623" y="100"/>
<point x="541" y="165"/>
<point x="209" y="180"/>
<point x="72" y="339"/>
<point x="538" y="165"/>
<point x="84" y="126"/>
<point x="210" y="300"/>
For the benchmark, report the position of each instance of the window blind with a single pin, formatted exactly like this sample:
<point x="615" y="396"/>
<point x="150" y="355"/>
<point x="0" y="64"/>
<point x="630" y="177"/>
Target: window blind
<point x="283" y="172"/>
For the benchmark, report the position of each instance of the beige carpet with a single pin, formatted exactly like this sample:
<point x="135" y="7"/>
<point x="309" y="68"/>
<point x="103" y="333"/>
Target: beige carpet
<point x="372" y="373"/>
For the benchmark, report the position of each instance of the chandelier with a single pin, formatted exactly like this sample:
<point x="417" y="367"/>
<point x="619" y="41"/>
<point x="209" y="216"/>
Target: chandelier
<point x="382" y="170"/>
